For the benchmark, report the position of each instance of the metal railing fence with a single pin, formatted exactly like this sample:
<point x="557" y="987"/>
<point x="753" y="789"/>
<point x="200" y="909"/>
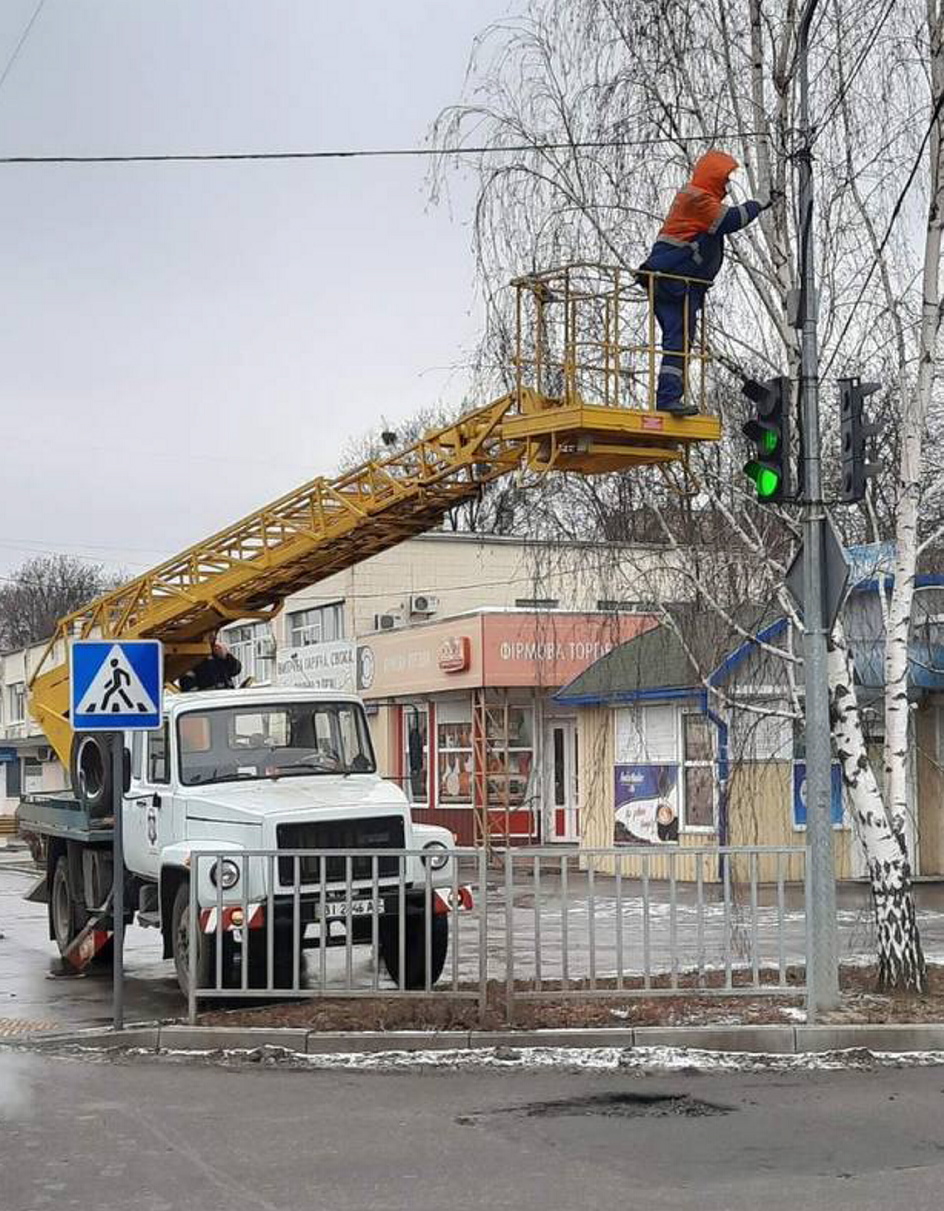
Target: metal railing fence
<point x="522" y="924"/>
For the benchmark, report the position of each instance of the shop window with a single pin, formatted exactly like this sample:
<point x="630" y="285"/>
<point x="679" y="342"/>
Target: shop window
<point x="509" y="755"/>
<point x="454" y="752"/>
<point x="698" y="771"/>
<point x="416" y="752"/>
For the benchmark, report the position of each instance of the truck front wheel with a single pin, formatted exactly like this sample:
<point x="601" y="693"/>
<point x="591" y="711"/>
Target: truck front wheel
<point x="206" y="946"/>
<point x="414" y="948"/>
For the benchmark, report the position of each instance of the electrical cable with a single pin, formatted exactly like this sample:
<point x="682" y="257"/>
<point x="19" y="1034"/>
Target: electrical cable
<point x="19" y="46"/>
<point x="888" y="231"/>
<point x="372" y="152"/>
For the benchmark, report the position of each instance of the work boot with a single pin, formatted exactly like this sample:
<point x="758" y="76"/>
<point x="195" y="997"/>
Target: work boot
<point x="678" y="408"/>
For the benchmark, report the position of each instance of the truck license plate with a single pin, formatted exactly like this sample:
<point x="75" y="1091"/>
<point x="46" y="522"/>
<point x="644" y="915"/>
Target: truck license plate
<point x="335" y="909"/>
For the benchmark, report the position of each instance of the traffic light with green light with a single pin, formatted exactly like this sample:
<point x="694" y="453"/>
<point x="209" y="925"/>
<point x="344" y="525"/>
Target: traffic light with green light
<point x="769" y="431"/>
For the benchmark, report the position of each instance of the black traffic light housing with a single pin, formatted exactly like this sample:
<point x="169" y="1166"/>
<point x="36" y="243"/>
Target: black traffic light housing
<point x="854" y="432"/>
<point x="769" y="430"/>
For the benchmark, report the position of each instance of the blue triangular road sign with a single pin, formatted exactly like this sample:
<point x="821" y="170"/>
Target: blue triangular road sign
<point x="115" y="686"/>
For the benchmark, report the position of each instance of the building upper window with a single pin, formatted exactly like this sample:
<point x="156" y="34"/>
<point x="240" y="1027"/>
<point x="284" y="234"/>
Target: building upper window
<point x="16" y="702"/>
<point x="320" y="624"/>
<point x="249" y="642"/>
<point x="537" y="603"/>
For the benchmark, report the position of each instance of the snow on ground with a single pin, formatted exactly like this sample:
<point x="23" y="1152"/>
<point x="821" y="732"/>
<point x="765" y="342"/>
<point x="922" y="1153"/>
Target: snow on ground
<point x="643" y="1061"/>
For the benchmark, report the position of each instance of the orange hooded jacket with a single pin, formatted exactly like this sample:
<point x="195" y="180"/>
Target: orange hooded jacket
<point x="698" y="205"/>
<point x="691" y="240"/>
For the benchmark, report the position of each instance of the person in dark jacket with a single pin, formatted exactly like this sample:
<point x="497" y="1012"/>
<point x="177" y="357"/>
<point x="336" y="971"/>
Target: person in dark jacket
<point x="218" y="671"/>
<point x="691" y="245"/>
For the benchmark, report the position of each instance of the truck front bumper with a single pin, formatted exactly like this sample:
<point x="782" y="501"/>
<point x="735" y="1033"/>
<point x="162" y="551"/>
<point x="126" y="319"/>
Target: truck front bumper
<point x="235" y="917"/>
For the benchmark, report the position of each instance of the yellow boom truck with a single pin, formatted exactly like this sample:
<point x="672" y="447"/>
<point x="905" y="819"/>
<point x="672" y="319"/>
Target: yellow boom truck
<point x="285" y="768"/>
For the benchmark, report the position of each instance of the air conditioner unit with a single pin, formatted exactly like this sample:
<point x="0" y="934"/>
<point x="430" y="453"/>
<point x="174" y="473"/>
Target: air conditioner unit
<point x="44" y="753"/>
<point x="423" y="603"/>
<point x="386" y="622"/>
<point x="265" y="647"/>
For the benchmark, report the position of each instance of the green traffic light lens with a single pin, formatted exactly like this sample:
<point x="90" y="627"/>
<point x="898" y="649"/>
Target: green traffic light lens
<point x="766" y="479"/>
<point x="767" y="483"/>
<point x="770" y="441"/>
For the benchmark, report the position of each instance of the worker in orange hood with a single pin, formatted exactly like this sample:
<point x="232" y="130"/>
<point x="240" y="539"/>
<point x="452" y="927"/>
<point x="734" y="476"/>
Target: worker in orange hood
<point x="691" y="245"/>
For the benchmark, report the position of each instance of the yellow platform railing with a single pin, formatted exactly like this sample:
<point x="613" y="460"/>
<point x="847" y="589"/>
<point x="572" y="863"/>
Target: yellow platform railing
<point x="589" y="332"/>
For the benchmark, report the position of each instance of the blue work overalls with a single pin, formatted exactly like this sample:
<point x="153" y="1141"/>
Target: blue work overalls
<point x="699" y="258"/>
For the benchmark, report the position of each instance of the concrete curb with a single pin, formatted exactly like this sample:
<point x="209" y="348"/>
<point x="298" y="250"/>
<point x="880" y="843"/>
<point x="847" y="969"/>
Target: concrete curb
<point x="758" y="1040"/>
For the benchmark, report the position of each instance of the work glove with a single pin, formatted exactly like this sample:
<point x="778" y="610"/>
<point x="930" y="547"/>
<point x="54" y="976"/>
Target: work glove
<point x="776" y="195"/>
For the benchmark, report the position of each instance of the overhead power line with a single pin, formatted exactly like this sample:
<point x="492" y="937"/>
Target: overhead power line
<point x="204" y="157"/>
<point x="896" y="210"/>
<point x="19" y="46"/>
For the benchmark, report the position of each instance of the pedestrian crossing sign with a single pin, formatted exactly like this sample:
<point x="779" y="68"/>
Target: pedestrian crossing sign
<point x="115" y="686"/>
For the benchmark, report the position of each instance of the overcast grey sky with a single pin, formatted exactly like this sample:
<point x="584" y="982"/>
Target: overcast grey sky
<point x="181" y="343"/>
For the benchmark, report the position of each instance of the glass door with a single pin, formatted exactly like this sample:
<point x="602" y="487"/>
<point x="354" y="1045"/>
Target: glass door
<point x="562" y="782"/>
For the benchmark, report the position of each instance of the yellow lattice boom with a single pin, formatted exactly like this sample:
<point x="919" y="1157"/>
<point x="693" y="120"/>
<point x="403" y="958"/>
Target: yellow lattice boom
<point x="247" y="570"/>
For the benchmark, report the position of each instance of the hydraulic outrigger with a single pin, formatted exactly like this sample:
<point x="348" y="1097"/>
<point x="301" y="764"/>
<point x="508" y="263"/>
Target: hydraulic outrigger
<point x="585" y="360"/>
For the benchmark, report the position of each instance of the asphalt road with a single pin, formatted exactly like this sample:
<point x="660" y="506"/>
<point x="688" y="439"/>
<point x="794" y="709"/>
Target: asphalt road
<point x="162" y="1137"/>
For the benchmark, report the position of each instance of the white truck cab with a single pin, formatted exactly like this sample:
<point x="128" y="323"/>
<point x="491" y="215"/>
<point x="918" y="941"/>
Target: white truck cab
<point x="237" y="771"/>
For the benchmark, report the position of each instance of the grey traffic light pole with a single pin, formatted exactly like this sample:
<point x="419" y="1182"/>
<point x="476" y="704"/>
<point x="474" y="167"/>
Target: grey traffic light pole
<point x="822" y="948"/>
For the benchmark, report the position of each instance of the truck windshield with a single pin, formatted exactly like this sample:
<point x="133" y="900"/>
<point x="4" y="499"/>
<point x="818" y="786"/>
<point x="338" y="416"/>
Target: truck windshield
<point x="288" y="739"/>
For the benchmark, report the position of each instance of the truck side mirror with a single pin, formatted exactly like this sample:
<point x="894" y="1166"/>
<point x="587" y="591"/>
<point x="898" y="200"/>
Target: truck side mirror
<point x="125" y="769"/>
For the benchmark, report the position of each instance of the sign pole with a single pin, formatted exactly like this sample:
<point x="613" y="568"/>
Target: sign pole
<point x="118" y="882"/>
<point x="116" y="686"/>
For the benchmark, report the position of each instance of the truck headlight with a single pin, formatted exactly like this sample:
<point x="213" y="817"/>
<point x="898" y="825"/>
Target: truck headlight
<point x="224" y="874"/>
<point x="435" y="855"/>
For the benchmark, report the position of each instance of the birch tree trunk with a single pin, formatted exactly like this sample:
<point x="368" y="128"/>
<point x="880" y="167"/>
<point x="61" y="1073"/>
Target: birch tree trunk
<point x="915" y="405"/>
<point x="900" y="957"/>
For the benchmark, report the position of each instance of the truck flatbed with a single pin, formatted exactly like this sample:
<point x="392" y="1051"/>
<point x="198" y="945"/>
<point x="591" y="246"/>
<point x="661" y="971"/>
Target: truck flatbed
<point x="58" y="814"/>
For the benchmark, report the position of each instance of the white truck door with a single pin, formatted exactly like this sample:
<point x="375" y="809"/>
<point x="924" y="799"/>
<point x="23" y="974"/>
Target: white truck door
<point x="149" y="806"/>
<point x="134" y="808"/>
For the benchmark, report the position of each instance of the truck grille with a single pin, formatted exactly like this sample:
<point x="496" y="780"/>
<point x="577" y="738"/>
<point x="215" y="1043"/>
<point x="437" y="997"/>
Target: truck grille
<point x="374" y="832"/>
